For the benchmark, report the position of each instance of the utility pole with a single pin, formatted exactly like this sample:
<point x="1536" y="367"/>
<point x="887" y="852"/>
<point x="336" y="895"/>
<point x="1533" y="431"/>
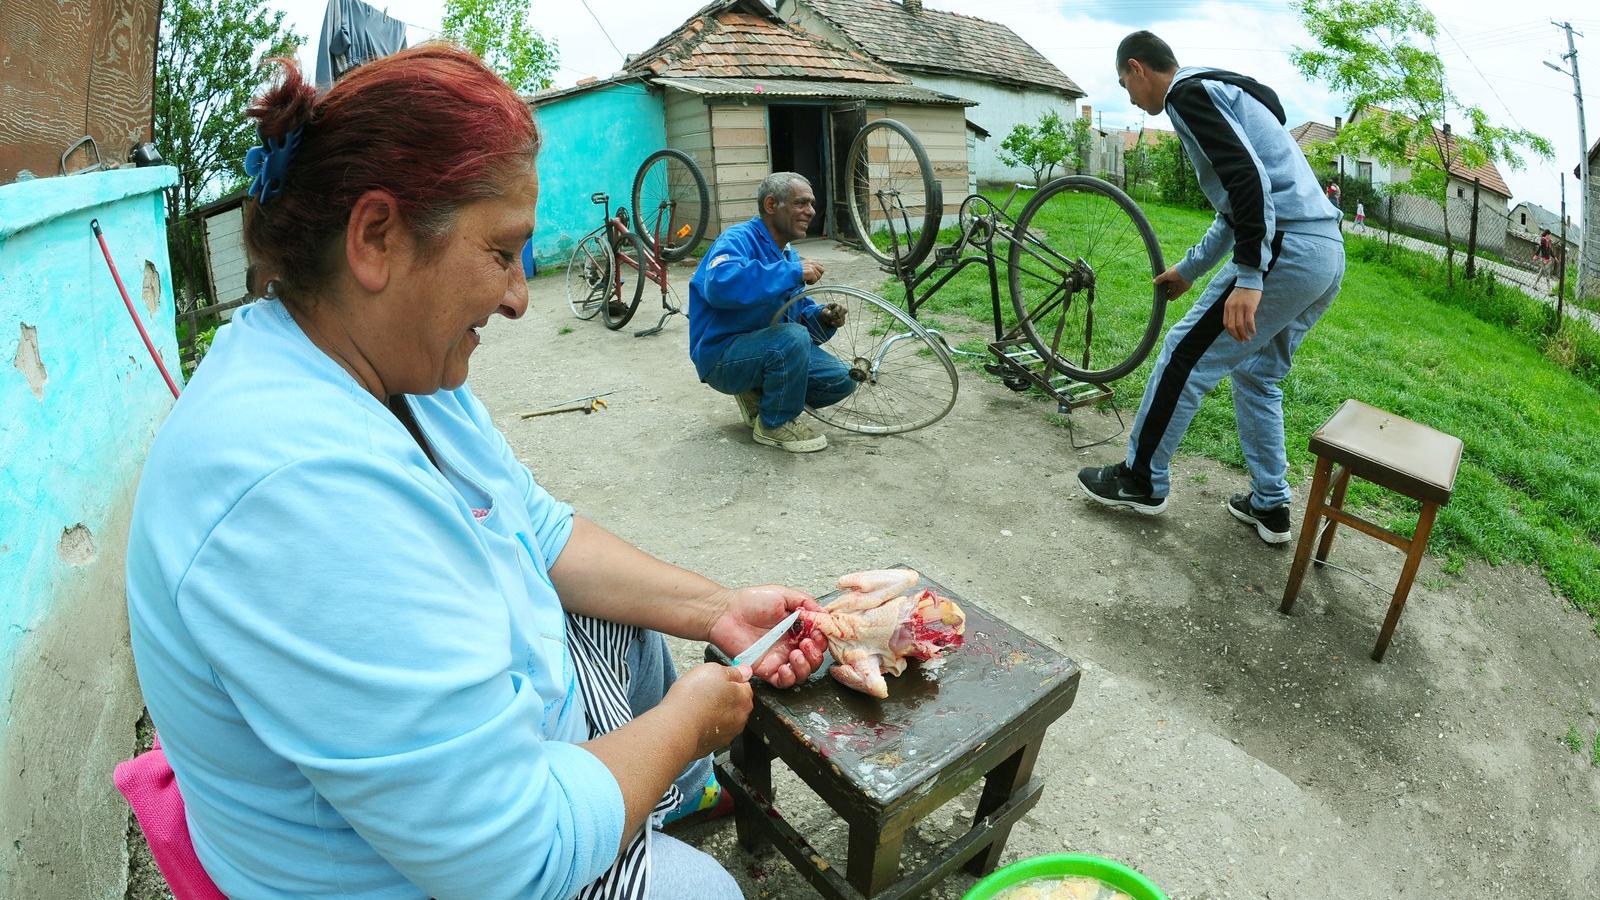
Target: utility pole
<point x="1583" y="154"/>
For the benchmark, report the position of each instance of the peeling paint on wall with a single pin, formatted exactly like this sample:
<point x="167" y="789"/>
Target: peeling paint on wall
<point x="76" y="547"/>
<point x="152" y="288"/>
<point x="28" y="362"/>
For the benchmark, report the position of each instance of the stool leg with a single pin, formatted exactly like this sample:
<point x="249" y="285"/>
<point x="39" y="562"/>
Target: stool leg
<point x="1341" y="481"/>
<point x="1419" y="544"/>
<point x="1308" y="533"/>
<point x="874" y="860"/>
<point x="998" y="786"/>
<point x="751" y="756"/>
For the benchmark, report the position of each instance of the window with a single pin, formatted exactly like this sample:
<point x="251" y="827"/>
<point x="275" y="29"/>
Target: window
<point x="1364" y="171"/>
<point x="1461" y="193"/>
<point x="1524" y="218"/>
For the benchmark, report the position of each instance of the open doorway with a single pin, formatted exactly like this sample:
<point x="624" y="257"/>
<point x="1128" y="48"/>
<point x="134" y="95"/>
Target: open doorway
<point x="799" y="139"/>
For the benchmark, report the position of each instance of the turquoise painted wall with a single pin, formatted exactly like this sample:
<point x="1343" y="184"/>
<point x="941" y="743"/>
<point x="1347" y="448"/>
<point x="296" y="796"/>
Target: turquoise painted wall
<point x="593" y="141"/>
<point x="80" y="398"/>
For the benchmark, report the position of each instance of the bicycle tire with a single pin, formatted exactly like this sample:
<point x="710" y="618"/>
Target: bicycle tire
<point x="589" y="275"/>
<point x="1127" y="246"/>
<point x="896" y="391"/>
<point x="617" y="311"/>
<point x="866" y="186"/>
<point x="694" y="194"/>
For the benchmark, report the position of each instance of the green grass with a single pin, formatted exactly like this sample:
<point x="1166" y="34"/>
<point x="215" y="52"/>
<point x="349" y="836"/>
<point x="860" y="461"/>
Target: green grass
<point x="1481" y="365"/>
<point x="1574" y="740"/>
<point x="1594" y="751"/>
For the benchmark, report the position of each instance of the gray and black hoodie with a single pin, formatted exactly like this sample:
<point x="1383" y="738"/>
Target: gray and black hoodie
<point x="1249" y="167"/>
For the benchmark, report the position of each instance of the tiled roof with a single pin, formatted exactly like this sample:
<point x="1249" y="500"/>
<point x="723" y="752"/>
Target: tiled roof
<point x="746" y="39"/>
<point x="1487" y="173"/>
<point x="1149" y="137"/>
<point x="946" y="42"/>
<point x="818" y="88"/>
<point x="1308" y="134"/>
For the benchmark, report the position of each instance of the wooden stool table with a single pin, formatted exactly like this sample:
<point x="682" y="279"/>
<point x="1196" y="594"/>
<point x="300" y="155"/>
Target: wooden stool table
<point x="1391" y="452"/>
<point x="882" y="765"/>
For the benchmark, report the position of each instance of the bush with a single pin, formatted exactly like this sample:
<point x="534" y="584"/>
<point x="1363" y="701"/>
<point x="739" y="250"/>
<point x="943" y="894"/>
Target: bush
<point x="1174" y="175"/>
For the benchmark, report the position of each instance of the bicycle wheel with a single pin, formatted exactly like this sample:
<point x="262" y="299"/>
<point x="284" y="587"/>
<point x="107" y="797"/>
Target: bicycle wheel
<point x="630" y="262"/>
<point x="589" y="275"/>
<point x="1081" y="263"/>
<point x="904" y="378"/>
<point x="671" y="204"/>
<point x="895" y="204"/>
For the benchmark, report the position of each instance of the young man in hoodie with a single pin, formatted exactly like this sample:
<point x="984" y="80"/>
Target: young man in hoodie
<point x="773" y="371"/>
<point x="1285" y="253"/>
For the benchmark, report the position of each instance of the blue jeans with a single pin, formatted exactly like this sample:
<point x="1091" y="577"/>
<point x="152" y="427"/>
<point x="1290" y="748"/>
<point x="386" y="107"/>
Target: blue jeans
<point x="786" y="367"/>
<point x="1199" y="352"/>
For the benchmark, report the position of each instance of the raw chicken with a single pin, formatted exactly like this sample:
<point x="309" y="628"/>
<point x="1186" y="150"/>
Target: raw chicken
<point x="875" y="626"/>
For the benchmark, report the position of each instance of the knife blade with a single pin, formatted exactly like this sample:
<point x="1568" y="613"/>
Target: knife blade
<point x="764" y="643"/>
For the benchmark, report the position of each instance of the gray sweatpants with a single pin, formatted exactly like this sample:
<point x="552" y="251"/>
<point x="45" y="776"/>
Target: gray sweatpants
<point x="1198" y="353"/>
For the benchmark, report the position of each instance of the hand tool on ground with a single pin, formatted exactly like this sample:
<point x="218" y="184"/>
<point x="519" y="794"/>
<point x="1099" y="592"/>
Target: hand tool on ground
<point x="585" y="405"/>
<point x="764" y="643"/>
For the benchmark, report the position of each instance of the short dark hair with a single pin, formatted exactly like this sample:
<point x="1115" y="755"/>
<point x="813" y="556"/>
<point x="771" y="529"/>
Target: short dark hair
<point x="1147" y="49"/>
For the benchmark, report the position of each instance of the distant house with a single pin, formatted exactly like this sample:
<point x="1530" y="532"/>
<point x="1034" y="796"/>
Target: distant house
<point x="954" y="54"/>
<point x="1524" y="224"/>
<point x="1423" y="215"/>
<point x="745" y="94"/>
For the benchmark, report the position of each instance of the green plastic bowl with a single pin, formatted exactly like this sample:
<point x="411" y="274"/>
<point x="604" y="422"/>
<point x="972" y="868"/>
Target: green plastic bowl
<point x="1114" y="874"/>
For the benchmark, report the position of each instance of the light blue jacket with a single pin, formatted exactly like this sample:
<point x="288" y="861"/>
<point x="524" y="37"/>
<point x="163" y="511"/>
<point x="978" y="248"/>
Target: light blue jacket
<point x="1249" y="167"/>
<point x="364" y="690"/>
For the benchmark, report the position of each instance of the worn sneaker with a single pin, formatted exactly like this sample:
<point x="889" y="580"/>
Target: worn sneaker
<point x="749" y="406"/>
<point x="1271" y="524"/>
<point x="794" y="436"/>
<point x="1116" y="486"/>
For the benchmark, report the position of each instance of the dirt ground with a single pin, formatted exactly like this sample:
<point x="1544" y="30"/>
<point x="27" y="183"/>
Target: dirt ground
<point x="1222" y="748"/>
<point x="1225" y="750"/>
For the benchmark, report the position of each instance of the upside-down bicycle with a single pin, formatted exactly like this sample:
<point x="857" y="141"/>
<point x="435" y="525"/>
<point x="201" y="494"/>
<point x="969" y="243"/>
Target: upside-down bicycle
<point x="671" y="207"/>
<point x="1079" y="266"/>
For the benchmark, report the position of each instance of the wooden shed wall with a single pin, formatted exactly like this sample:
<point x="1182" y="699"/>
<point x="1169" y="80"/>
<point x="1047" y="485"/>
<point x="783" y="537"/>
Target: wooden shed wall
<point x="743" y="158"/>
<point x="225" y="254"/>
<point x="943" y="132"/>
<point x="70" y="68"/>
<point x="689" y="130"/>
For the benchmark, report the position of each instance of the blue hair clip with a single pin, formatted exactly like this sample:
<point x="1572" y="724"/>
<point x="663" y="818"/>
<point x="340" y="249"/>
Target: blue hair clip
<point x="267" y="164"/>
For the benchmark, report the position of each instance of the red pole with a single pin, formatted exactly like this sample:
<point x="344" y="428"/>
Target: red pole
<point x="95" y="224"/>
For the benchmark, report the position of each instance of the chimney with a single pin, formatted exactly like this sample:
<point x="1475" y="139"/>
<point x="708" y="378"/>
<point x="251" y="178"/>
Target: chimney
<point x="912" y="6"/>
<point x="1088" y="113"/>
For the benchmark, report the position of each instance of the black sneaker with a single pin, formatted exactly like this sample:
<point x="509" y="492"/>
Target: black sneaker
<point x="1271" y="524"/>
<point x="1116" y="486"/>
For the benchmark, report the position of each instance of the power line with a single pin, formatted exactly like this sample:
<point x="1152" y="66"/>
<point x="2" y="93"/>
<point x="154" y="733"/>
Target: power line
<point x="620" y="54"/>
<point x="1485" y="78"/>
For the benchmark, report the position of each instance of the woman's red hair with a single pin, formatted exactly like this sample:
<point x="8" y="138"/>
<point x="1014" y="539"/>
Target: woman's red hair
<point x="432" y="126"/>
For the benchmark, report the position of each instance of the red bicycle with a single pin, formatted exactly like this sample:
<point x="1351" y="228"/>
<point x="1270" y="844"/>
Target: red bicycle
<point x="671" y="208"/>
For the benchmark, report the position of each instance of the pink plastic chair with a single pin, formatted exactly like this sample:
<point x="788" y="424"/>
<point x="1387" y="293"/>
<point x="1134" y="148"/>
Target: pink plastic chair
<point x="152" y="790"/>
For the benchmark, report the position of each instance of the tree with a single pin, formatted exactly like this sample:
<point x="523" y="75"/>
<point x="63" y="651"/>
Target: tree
<point x="1040" y="148"/>
<point x="1379" y="54"/>
<point x="1174" y="174"/>
<point x="208" y="67"/>
<point x="499" y="32"/>
<point x="1079" y="146"/>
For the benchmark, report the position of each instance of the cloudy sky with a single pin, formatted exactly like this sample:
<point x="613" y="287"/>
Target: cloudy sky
<point x="1493" y="61"/>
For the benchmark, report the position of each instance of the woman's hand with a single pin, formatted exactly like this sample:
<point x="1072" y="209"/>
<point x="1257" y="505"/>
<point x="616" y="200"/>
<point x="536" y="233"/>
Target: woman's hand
<point x="748" y="613"/>
<point x="718" y="698"/>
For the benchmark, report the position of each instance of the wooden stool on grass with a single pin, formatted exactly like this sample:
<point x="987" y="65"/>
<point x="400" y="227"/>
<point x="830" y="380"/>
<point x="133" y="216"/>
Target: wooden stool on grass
<point x="882" y="765"/>
<point x="1409" y="459"/>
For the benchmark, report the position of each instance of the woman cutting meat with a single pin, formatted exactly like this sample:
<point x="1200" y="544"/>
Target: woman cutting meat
<point x="384" y="662"/>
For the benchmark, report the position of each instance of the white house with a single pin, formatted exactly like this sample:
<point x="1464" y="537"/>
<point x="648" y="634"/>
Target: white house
<point x="953" y="54"/>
